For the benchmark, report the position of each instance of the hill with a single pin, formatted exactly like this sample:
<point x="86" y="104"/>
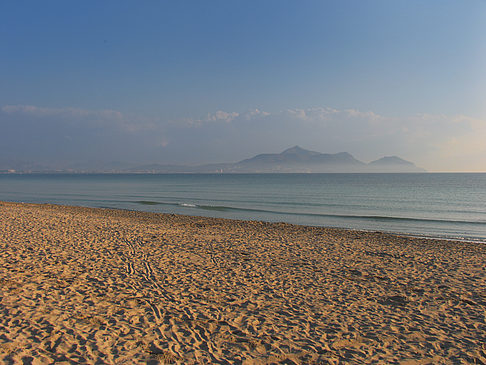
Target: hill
<point x="297" y="159"/>
<point x="393" y="164"/>
<point x="291" y="160"/>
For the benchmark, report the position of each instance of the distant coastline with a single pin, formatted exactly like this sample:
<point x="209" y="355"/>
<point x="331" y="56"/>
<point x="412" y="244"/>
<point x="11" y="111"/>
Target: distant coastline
<point x="292" y="160"/>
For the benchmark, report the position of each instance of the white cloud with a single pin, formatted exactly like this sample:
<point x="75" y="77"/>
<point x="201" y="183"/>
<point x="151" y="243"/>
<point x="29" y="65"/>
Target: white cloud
<point x="221" y="116"/>
<point x="256" y="113"/>
<point x="435" y="142"/>
<point x="69" y="134"/>
<point x="76" y="116"/>
<point x="35" y="111"/>
<point x="318" y="113"/>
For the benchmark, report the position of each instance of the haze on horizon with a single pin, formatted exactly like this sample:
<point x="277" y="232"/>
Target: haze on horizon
<point x="190" y="82"/>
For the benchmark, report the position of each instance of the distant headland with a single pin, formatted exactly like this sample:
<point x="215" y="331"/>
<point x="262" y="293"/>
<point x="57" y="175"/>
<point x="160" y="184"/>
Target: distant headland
<point x="292" y="160"/>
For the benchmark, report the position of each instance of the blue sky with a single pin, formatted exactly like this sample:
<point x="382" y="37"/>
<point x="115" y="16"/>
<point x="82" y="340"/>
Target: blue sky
<point x="167" y="70"/>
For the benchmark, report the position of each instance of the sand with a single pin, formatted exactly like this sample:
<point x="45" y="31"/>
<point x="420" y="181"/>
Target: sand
<point x="82" y="285"/>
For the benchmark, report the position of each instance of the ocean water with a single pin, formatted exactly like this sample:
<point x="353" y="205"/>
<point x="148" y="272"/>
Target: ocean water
<point x="431" y="205"/>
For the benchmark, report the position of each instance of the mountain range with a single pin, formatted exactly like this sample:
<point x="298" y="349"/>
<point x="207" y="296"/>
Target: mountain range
<point x="292" y="160"/>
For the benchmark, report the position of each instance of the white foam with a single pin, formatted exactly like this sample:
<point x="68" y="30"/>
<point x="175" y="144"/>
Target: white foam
<point x="188" y="205"/>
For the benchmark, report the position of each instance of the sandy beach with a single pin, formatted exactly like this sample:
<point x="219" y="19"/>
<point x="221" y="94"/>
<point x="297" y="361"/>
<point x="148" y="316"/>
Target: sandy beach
<point x="83" y="285"/>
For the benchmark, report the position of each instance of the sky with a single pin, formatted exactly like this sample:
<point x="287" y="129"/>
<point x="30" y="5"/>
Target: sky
<point x="192" y="82"/>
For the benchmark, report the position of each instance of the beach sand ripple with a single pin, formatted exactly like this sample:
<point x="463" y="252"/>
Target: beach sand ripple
<point x="82" y="285"/>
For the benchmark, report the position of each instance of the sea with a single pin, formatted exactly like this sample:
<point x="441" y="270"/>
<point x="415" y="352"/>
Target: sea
<point x="435" y="205"/>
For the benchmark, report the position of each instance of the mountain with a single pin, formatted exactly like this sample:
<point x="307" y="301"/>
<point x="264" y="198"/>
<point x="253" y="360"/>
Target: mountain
<point x="393" y="164"/>
<point x="292" y="160"/>
<point x="13" y="165"/>
<point x="297" y="159"/>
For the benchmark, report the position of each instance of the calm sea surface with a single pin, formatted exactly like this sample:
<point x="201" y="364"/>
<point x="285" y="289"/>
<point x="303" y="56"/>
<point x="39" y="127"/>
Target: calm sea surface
<point x="432" y="205"/>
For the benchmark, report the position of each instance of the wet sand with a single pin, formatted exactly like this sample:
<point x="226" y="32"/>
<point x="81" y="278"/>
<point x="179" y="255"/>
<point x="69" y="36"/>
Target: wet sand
<point x="82" y="285"/>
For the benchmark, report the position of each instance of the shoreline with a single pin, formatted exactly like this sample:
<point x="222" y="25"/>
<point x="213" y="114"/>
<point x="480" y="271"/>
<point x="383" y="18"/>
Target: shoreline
<point x="81" y="284"/>
<point x="391" y="233"/>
